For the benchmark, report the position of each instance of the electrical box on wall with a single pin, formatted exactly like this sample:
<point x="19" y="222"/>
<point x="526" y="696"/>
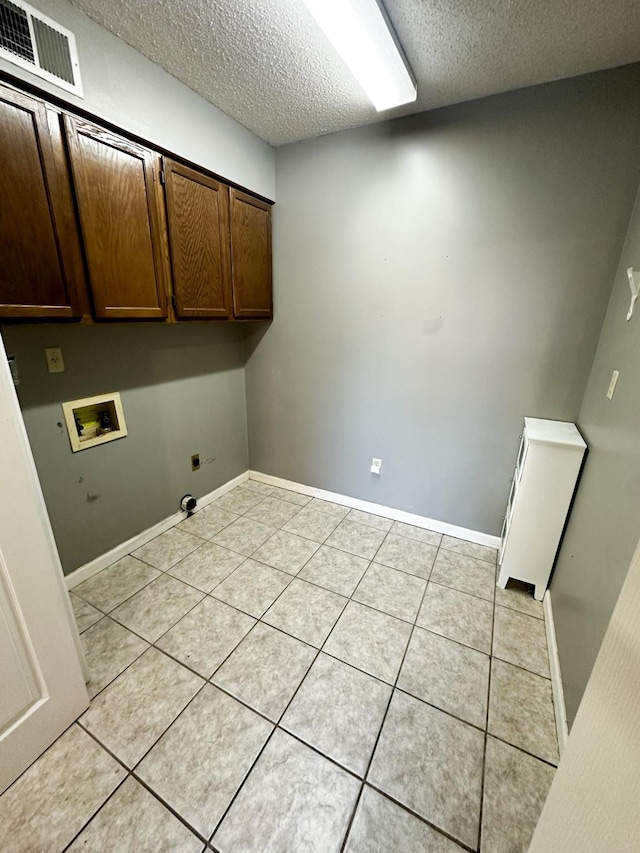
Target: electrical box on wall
<point x="94" y="420"/>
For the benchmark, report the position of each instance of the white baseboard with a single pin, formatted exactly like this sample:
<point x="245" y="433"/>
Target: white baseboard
<point x="562" y="726"/>
<point x="384" y="511"/>
<point x="120" y="551"/>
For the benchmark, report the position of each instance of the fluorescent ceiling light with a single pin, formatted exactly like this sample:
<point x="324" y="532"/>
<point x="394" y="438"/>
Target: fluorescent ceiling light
<point x="361" y="33"/>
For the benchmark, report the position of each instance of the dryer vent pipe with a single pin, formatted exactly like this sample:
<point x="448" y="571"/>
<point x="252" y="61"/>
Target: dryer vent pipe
<point x="188" y="504"/>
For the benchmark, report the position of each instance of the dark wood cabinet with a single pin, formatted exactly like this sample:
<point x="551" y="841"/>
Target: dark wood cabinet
<point x="117" y="190"/>
<point x="250" y="256"/>
<point x="41" y="268"/>
<point x="198" y="226"/>
<point x="88" y="231"/>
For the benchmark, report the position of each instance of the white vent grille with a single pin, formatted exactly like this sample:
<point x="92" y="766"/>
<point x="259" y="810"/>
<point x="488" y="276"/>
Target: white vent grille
<point x="31" y="40"/>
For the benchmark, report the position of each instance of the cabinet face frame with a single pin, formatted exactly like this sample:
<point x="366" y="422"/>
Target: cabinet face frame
<point x="59" y="201"/>
<point x="150" y="171"/>
<point x="242" y="301"/>
<point x="185" y="305"/>
<point x="90" y="276"/>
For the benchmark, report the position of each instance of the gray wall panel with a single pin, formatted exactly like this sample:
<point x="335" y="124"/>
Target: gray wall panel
<point x="182" y="392"/>
<point x="437" y="278"/>
<point x="605" y="523"/>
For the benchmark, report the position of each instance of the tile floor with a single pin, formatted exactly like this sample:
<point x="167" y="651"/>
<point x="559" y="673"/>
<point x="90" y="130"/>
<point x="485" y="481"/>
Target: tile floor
<point x="278" y="673"/>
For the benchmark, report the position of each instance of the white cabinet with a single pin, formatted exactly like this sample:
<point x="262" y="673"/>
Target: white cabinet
<point x="547" y="468"/>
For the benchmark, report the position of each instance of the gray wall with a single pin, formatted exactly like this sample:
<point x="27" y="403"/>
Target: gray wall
<point x="123" y="87"/>
<point x="182" y="392"/>
<point x="605" y="523"/>
<point x="437" y="278"/>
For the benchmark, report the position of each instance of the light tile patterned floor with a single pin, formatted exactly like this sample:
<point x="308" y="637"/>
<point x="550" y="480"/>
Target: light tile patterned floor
<point x="278" y="673"/>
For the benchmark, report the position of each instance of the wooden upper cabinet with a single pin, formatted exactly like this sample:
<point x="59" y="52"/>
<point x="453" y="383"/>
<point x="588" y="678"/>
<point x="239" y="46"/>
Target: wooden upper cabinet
<point x="40" y="258"/>
<point x="117" y="192"/>
<point x="198" y="225"/>
<point x="251" y="256"/>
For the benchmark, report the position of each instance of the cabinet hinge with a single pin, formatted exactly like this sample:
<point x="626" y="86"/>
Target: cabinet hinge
<point x="162" y="176"/>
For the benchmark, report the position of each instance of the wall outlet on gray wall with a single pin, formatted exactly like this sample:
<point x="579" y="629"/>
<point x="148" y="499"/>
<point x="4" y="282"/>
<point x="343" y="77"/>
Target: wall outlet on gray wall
<point x="55" y="361"/>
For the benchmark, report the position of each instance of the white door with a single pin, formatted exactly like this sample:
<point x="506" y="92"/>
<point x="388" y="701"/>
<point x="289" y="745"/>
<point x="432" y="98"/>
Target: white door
<point x="592" y="806"/>
<point x="42" y="688"/>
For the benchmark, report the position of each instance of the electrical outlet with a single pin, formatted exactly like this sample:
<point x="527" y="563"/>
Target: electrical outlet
<point x="612" y="384"/>
<point x="55" y="361"/>
<point x="376" y="465"/>
<point x="195" y="462"/>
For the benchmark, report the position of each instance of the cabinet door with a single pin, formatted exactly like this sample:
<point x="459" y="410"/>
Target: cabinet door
<point x="198" y="218"/>
<point x="116" y="185"/>
<point x="40" y="260"/>
<point x="251" y="256"/>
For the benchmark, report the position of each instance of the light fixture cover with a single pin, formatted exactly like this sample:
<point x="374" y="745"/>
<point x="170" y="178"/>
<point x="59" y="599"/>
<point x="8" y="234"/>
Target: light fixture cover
<point x="361" y="34"/>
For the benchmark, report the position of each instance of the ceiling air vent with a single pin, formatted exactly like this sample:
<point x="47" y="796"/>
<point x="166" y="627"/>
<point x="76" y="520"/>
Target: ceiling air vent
<point x="31" y="40"/>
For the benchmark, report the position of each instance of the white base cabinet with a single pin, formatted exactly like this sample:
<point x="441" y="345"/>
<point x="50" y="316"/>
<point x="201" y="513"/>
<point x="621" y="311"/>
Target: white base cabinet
<point x="547" y="469"/>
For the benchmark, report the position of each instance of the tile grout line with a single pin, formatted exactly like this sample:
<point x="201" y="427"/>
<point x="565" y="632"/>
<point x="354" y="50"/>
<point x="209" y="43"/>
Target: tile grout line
<point x="164" y="731"/>
<point x="131" y="774"/>
<point x="122" y="671"/>
<point x="150" y="643"/>
<point x="279" y="727"/>
<point x="300" y="507"/>
<point x="522" y="750"/>
<point x="384" y="716"/>
<point x="486" y="720"/>
<point x="169" y="807"/>
<point x="217" y="687"/>
<point x="461" y="844"/>
<point x="377" y="678"/>
<point x="522" y="668"/>
<point x="260" y="622"/>
<point x="259" y="619"/>
<point x="240" y="786"/>
<point x="99" y="809"/>
<point x="44" y="752"/>
<point x="179" y="580"/>
<point x="250" y="556"/>
<point x="205" y="594"/>
<point x="294" y="736"/>
<point x="280" y="718"/>
<point x="339" y="521"/>
<point x="277" y="723"/>
<point x="153" y="644"/>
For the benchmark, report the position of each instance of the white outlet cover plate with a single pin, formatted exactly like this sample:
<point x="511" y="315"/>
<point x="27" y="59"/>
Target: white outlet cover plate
<point x="612" y="384"/>
<point x="55" y="361"/>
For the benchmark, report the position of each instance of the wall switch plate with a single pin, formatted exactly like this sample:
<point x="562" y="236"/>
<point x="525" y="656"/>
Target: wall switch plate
<point x="612" y="384"/>
<point x="376" y="465"/>
<point x="55" y="362"/>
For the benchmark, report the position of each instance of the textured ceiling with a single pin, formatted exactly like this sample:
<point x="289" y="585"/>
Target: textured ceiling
<point x="266" y="63"/>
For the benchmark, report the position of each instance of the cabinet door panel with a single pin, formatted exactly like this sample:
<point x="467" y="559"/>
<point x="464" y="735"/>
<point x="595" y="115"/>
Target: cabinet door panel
<point x="251" y="256"/>
<point x="36" y="218"/>
<point x="198" y="217"/>
<point x="117" y="192"/>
